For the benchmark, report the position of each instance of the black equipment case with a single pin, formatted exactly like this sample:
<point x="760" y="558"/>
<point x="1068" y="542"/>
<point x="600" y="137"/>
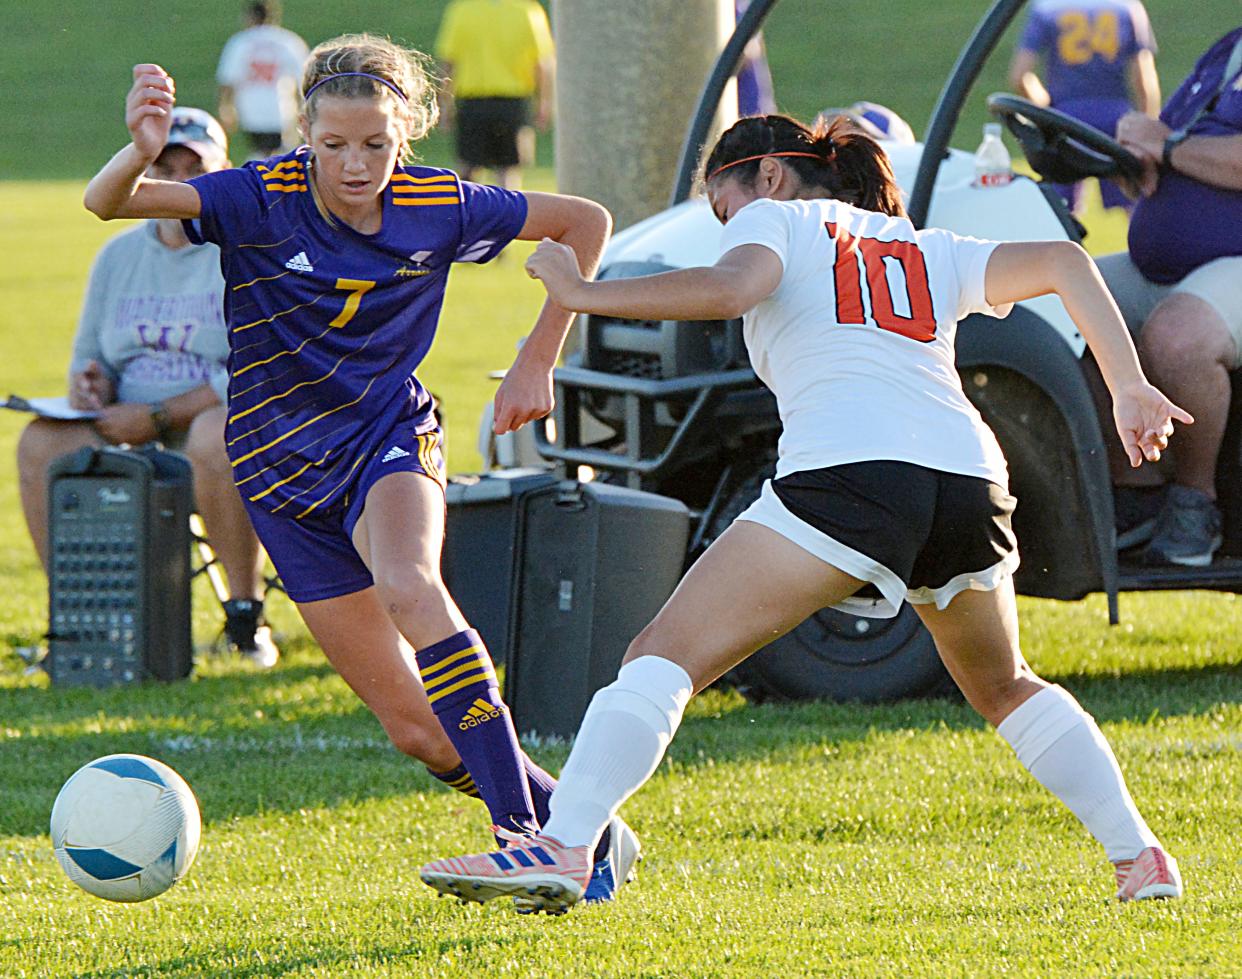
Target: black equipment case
<point x="595" y="562"/>
<point x="119" y="567"/>
<point x="480" y="548"/>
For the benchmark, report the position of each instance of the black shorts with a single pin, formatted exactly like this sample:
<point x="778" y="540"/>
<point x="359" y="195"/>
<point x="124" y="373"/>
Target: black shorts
<point x="487" y="131"/>
<point x="913" y="533"/>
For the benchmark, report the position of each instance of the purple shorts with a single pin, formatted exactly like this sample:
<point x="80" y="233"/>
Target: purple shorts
<point x="315" y="556"/>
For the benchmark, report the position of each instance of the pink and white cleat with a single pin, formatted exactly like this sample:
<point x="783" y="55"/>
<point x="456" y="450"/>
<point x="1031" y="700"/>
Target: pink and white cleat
<point x="1152" y="874"/>
<point x="538" y="869"/>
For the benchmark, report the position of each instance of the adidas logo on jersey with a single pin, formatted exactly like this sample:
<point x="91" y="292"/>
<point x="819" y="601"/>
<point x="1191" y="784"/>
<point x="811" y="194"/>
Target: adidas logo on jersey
<point x="480" y="712"/>
<point x="300" y="263"/>
<point x="396" y="452"/>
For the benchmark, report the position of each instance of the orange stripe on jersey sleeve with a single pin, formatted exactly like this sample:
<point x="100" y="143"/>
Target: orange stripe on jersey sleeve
<point x="424" y="201"/>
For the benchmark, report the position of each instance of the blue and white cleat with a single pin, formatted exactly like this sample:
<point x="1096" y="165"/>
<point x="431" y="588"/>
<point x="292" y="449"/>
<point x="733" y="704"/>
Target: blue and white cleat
<point x="616" y="867"/>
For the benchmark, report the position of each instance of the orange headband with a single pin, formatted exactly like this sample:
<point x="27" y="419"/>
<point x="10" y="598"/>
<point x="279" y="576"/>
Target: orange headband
<point x="747" y="159"/>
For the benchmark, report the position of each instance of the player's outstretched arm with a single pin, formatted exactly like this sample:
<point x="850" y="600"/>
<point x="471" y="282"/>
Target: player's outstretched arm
<point x="743" y="277"/>
<point x="583" y="227"/>
<point x="120" y="189"/>
<point x="1022" y="270"/>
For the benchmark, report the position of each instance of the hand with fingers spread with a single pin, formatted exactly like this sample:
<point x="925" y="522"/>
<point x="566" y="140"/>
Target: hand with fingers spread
<point x="556" y="266"/>
<point x="148" y="109"/>
<point x="1144" y="419"/>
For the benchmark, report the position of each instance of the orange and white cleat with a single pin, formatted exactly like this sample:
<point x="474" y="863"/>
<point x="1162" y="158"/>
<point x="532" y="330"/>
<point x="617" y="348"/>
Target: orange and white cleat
<point x="1152" y="874"/>
<point x="545" y="875"/>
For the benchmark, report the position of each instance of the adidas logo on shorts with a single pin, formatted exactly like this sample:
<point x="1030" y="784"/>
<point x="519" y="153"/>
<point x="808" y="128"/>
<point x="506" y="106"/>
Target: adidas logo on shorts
<point x="300" y="263"/>
<point x="396" y="452"/>
<point x="480" y="712"/>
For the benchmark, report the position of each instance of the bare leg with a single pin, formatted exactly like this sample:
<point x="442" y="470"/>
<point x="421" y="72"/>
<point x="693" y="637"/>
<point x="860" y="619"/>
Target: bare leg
<point x="1186" y="348"/>
<point x="751" y="586"/>
<point x="42" y="442"/>
<point x="232" y="537"/>
<point x="977" y="638"/>
<point x="399" y="537"/>
<point x="366" y="649"/>
<point x="1053" y="737"/>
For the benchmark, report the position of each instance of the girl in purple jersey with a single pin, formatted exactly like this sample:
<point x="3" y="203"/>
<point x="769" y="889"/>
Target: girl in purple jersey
<point x="333" y="441"/>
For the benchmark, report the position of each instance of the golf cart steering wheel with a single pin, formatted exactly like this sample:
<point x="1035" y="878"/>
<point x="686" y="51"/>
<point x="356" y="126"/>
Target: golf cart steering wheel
<point x="1059" y="147"/>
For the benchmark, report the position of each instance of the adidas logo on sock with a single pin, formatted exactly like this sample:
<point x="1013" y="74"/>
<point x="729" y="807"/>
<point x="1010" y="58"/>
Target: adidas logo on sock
<point x="300" y="263"/>
<point x="396" y="452"/>
<point x="480" y="712"/>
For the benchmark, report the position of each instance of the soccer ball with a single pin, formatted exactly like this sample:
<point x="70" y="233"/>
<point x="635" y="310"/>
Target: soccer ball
<point x="125" y="827"/>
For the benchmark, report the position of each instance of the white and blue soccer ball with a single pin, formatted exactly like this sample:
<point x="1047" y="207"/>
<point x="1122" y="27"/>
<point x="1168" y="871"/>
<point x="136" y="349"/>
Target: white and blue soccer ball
<point x="125" y="827"/>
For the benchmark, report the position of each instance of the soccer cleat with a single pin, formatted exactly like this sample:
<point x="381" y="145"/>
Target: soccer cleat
<point x="616" y="867"/>
<point x="1152" y="874"/>
<point x="538" y="869"/>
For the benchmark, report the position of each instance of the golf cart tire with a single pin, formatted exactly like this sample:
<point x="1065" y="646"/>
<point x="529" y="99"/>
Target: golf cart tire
<point x="834" y="655"/>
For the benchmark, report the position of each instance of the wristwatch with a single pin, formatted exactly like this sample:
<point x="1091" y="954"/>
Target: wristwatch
<point x="161" y="419"/>
<point x="1172" y="142"/>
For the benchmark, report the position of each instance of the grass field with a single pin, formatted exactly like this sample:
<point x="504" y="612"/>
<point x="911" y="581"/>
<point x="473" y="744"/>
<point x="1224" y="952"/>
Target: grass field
<point x="808" y="840"/>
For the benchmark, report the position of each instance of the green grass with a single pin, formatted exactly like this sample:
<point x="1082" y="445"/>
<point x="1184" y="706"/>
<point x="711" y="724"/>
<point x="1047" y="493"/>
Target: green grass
<point x="782" y="840"/>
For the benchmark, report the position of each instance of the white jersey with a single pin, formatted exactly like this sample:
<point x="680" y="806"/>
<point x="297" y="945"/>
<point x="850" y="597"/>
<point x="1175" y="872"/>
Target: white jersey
<point x="857" y="340"/>
<point x="263" y="66"/>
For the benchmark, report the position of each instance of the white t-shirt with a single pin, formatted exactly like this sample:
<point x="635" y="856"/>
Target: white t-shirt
<point x="857" y="340"/>
<point x="263" y="66"/>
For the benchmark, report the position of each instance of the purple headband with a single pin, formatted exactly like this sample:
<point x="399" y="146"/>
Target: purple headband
<point x="356" y="74"/>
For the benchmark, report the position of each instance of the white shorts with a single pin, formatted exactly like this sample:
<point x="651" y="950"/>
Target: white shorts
<point x="1218" y="283"/>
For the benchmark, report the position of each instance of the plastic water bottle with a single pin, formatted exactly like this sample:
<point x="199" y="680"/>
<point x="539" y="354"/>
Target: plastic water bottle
<point x="992" y="168"/>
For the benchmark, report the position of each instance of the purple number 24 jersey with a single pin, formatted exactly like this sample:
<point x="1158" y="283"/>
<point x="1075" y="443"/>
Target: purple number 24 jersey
<point x="326" y="324"/>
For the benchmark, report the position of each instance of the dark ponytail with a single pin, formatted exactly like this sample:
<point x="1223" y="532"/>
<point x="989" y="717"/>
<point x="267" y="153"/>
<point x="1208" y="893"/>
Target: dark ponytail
<point x="848" y="164"/>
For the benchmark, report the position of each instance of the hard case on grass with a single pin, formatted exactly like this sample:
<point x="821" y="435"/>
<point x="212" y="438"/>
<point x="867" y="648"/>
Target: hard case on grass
<point x="595" y="564"/>
<point x="119" y="566"/>
<point x="480" y="547"/>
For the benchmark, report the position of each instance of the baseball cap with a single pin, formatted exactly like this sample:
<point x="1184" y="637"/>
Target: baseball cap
<point x="877" y="121"/>
<point x="198" y="130"/>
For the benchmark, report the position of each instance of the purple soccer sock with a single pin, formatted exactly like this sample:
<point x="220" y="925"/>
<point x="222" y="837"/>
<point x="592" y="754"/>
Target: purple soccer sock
<point x="459" y="780"/>
<point x="541" y="786"/>
<point x="461" y="685"/>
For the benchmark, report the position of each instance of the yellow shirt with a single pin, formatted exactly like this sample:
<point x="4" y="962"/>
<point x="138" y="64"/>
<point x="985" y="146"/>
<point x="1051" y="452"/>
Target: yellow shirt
<point x="494" y="46"/>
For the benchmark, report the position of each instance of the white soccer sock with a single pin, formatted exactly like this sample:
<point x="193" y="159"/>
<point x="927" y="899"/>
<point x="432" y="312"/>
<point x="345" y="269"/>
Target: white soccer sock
<point x="1060" y="744"/>
<point x="623" y="736"/>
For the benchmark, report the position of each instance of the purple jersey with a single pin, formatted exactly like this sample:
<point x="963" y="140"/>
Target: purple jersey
<point x="327" y="325"/>
<point x="1087" y="46"/>
<point x="1187" y="223"/>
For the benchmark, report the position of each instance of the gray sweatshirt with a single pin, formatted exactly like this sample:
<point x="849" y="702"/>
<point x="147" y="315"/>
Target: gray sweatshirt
<point x="154" y="318"/>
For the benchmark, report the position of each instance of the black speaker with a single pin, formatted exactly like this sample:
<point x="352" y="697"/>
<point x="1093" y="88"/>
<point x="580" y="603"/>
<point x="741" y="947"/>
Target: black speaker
<point x="595" y="564"/>
<point x="480" y="547"/>
<point x="119" y="567"/>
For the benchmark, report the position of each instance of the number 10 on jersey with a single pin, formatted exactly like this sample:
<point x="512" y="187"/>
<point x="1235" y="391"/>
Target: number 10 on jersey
<point x="895" y="277"/>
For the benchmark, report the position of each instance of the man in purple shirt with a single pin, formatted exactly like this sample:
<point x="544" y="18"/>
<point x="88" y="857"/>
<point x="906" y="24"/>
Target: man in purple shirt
<point x="1098" y="61"/>
<point x="1180" y="284"/>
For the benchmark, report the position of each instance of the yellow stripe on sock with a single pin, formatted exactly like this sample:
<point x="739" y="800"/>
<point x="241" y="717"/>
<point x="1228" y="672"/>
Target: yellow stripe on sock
<point x="461" y="684"/>
<point x="427" y="671"/>
<point x="478" y="663"/>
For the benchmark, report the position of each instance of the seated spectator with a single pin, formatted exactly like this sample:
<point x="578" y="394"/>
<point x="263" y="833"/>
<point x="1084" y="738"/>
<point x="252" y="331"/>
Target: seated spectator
<point x="1180" y="289"/>
<point x="1098" y="63"/>
<point x="149" y="356"/>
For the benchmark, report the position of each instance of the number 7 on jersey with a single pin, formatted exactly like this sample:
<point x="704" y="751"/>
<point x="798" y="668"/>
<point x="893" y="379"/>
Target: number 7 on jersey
<point x="882" y="265"/>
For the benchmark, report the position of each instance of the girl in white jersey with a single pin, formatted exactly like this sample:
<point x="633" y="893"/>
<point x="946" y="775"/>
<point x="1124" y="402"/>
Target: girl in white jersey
<point x="888" y="483"/>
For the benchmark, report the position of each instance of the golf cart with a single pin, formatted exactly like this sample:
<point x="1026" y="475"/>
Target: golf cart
<point x="674" y="408"/>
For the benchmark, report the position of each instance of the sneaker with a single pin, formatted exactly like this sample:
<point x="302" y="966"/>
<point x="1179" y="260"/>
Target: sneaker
<point x="1136" y="510"/>
<point x="537" y="869"/>
<point x="1152" y="874"/>
<point x="1188" y="531"/>
<point x="248" y="634"/>
<point x="616" y="867"/>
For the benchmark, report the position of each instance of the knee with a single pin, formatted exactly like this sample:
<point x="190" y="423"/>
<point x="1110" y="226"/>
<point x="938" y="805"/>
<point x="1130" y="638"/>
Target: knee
<point x="36" y="448"/>
<point x="405" y="588"/>
<point x="1185" y="330"/>
<point x="204" y="443"/>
